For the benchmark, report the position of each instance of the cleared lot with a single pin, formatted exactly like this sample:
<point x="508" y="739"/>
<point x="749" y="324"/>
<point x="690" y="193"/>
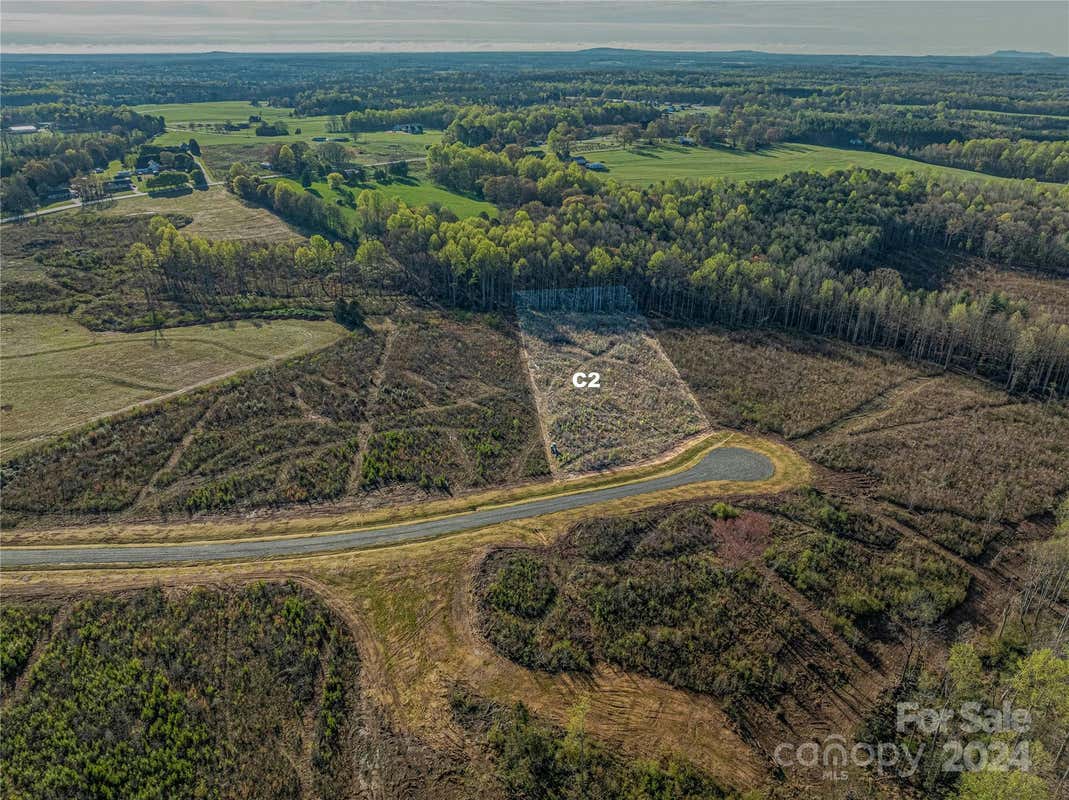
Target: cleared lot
<point x="636" y="409"/>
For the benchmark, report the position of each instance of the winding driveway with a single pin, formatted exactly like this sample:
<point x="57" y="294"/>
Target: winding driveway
<point x="725" y="463"/>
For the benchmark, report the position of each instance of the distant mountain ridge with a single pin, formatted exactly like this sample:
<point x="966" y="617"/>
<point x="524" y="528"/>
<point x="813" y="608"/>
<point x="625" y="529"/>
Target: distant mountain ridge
<point x="1022" y="54"/>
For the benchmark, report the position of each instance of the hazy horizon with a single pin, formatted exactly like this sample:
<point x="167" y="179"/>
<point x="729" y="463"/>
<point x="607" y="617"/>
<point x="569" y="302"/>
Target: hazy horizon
<point x="950" y="27"/>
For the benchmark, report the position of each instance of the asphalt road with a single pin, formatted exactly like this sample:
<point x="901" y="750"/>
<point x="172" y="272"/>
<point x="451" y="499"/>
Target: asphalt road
<point x="726" y="463"/>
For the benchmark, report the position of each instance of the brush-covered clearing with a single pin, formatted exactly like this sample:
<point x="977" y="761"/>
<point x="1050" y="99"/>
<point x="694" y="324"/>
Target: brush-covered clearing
<point x="962" y="460"/>
<point x="426" y="404"/>
<point x="638" y="410"/>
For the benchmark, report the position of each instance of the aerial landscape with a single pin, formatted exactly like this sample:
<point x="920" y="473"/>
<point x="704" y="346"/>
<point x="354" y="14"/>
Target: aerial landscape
<point x="608" y="400"/>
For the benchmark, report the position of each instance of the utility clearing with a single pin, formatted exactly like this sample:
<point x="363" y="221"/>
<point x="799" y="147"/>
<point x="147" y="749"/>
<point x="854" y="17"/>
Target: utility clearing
<point x="607" y="394"/>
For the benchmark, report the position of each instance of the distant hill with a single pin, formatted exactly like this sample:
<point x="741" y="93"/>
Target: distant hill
<point x="1021" y="54"/>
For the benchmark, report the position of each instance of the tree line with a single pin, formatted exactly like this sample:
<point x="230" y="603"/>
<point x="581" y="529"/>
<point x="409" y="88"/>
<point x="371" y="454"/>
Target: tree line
<point x="801" y="253"/>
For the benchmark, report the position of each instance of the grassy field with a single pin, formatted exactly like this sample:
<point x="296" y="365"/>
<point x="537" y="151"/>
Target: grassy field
<point x="213" y="112"/>
<point x="645" y="165"/>
<point x="58" y="374"/>
<point x="415" y="191"/>
<point x="220" y="150"/>
<point x="419" y="190"/>
<point x="216" y="213"/>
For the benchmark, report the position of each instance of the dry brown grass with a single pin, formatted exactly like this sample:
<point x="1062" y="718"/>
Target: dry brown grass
<point x="59" y="375"/>
<point x="1044" y="295"/>
<point x="216" y="214"/>
<point x="1004" y="462"/>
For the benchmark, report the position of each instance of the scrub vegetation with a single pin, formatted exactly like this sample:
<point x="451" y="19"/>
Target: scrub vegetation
<point x="432" y="403"/>
<point x="252" y="693"/>
<point x="861" y="260"/>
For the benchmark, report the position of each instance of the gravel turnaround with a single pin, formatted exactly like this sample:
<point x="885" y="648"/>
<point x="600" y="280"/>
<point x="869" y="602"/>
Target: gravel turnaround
<point x="726" y="463"/>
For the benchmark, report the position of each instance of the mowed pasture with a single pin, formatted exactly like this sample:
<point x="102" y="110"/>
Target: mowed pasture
<point x="961" y="460"/>
<point x="640" y="408"/>
<point x="58" y="375"/>
<point x="645" y="164"/>
<point x="216" y="214"/>
<point x="418" y="406"/>
<point x="417" y="190"/>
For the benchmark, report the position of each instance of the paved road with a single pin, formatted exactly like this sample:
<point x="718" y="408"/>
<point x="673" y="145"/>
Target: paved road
<point x="726" y="463"/>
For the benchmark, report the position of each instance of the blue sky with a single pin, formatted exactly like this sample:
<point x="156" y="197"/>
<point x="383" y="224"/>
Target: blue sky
<point x="957" y="27"/>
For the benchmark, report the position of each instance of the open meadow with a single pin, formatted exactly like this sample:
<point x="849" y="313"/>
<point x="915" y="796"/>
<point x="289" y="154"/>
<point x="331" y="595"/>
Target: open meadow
<point x="215" y="214"/>
<point x="220" y="150"/>
<point x="415" y="190"/>
<point x="86" y="374"/>
<point x="645" y="165"/>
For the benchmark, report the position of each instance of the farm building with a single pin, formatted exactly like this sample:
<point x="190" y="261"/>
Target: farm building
<point x="408" y="127"/>
<point x="22" y="129"/>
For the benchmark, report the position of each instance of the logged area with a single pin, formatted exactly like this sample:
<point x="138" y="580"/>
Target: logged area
<point x="422" y="407"/>
<point x="788" y="610"/>
<point x="962" y="461"/>
<point x="635" y="409"/>
<point x="88" y="374"/>
<point x="594" y="424"/>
